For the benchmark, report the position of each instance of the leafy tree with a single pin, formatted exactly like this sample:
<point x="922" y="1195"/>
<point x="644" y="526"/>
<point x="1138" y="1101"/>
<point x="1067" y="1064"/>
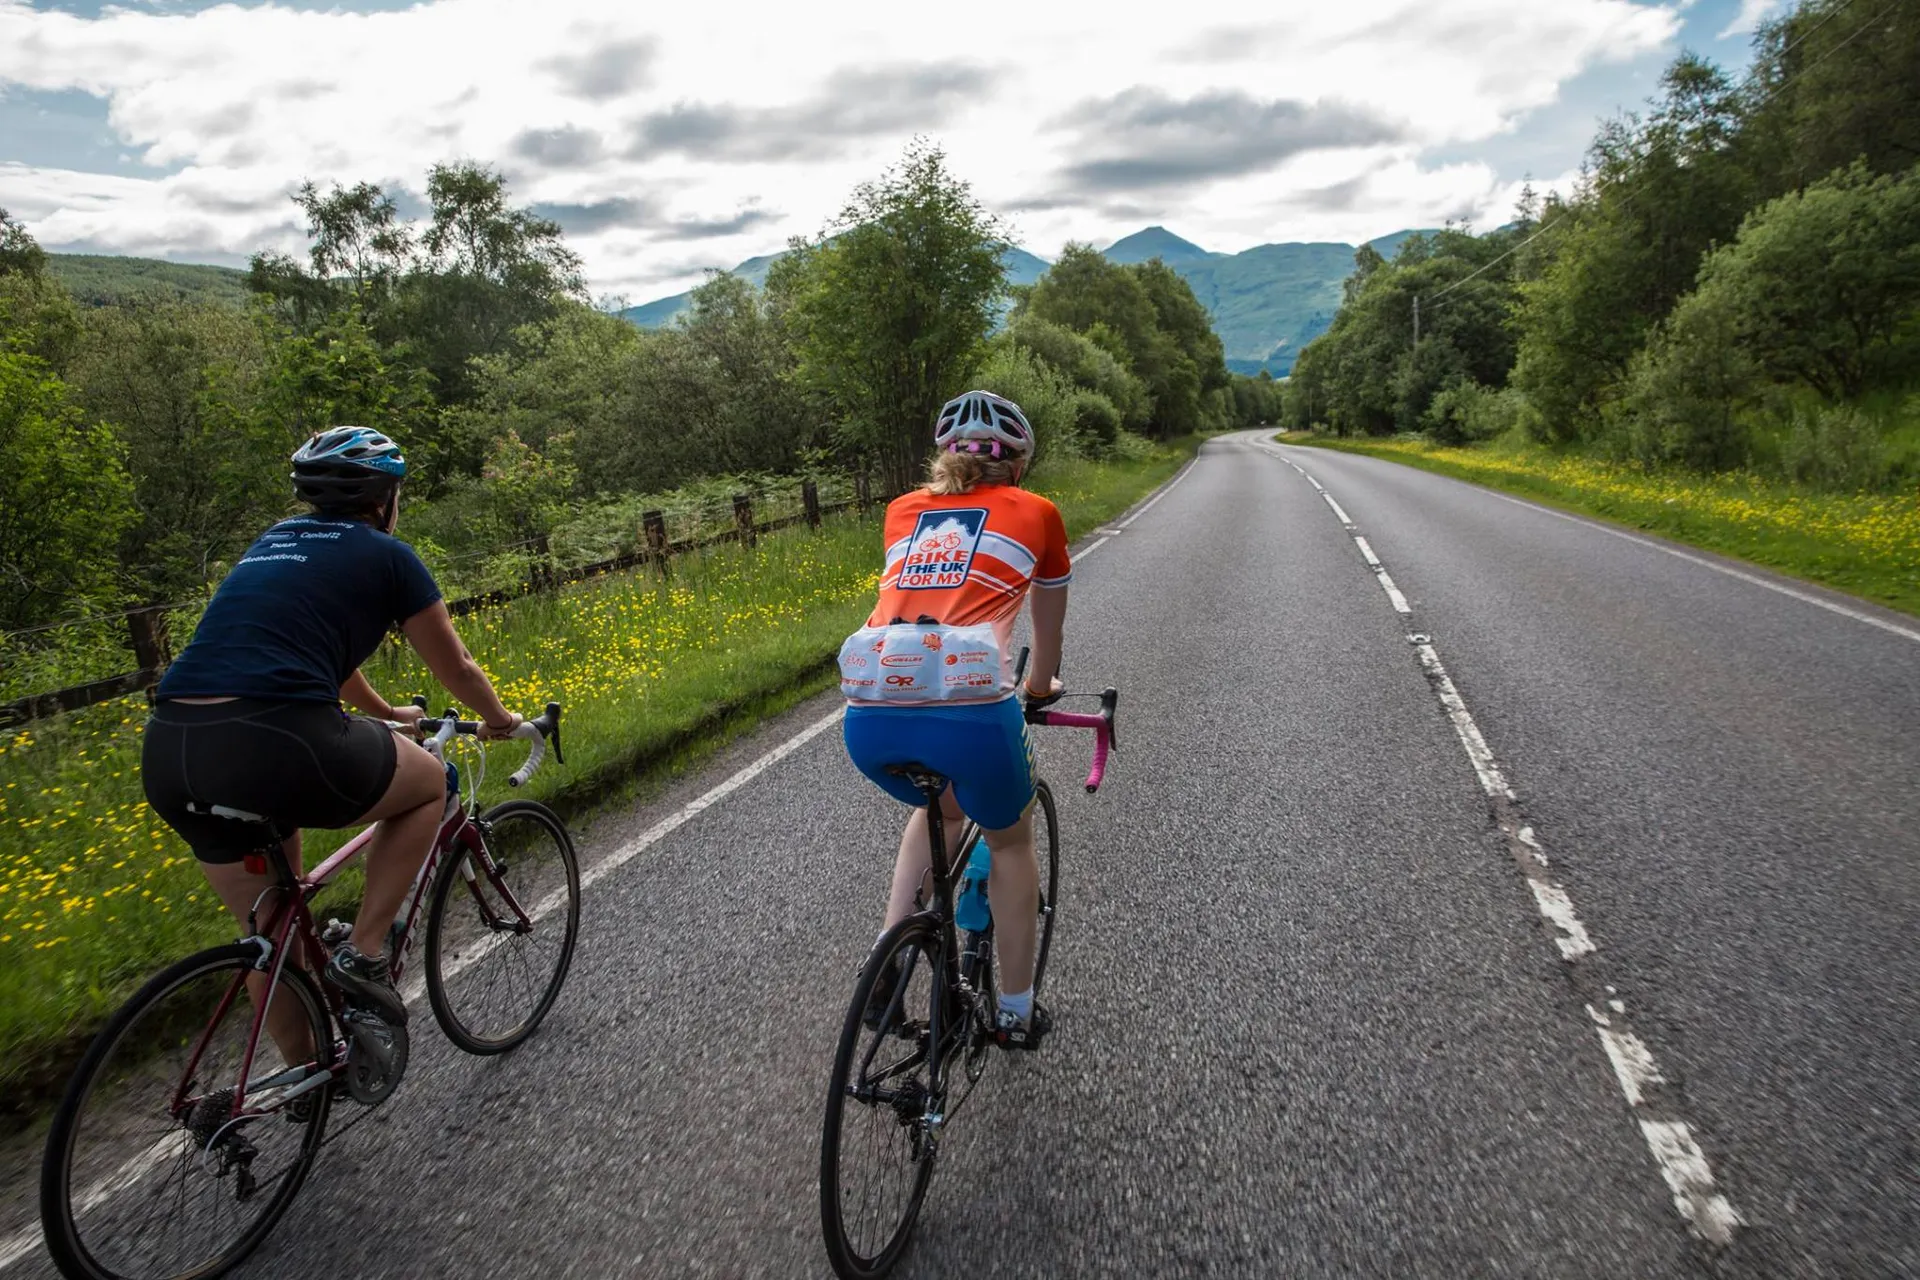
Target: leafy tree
<point x="1822" y="286"/>
<point x="1091" y="366"/>
<point x="889" y="315"/>
<point x="184" y="386"/>
<point x="64" y="498"/>
<point x="1662" y="191"/>
<point x="20" y="254"/>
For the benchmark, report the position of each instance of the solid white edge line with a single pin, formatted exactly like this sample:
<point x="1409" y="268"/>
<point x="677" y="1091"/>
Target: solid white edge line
<point x="1090" y="548"/>
<point x="1164" y="491"/>
<point x="1806" y="597"/>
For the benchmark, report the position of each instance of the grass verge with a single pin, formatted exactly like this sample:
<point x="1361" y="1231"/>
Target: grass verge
<point x="655" y="674"/>
<point x="1867" y="544"/>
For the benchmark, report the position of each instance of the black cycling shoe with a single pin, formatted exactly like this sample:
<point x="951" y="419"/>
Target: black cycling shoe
<point x="363" y="980"/>
<point x="1011" y="1033"/>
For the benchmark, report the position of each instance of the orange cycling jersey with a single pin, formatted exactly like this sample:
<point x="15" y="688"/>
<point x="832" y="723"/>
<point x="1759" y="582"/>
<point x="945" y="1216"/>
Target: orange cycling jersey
<point x="968" y="558"/>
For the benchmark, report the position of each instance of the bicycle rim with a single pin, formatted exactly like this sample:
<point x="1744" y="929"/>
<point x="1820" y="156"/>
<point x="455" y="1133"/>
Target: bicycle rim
<point x="501" y="929"/>
<point x="877" y="1148"/>
<point x="138" y="1186"/>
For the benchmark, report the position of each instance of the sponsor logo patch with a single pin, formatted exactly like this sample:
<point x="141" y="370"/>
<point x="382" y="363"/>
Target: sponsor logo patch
<point x="941" y="549"/>
<point x="900" y="681"/>
<point x="902" y="660"/>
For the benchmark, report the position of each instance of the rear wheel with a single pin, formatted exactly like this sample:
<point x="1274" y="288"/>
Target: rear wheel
<point x="879" y="1142"/>
<point x="501" y="928"/>
<point x="148" y="1172"/>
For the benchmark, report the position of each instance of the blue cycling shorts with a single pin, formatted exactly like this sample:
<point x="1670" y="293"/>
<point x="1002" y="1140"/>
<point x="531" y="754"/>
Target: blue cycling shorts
<point x="981" y="746"/>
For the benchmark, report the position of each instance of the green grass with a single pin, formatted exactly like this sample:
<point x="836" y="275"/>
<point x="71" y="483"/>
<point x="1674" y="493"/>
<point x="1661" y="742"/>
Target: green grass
<point x="1867" y="544"/>
<point x="96" y="893"/>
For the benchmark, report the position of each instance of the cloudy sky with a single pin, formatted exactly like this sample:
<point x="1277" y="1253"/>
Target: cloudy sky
<point x="672" y="137"/>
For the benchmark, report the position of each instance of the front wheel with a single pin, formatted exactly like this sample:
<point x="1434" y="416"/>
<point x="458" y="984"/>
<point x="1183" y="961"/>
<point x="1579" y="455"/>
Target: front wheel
<point x="159" y="1163"/>
<point x="501" y="927"/>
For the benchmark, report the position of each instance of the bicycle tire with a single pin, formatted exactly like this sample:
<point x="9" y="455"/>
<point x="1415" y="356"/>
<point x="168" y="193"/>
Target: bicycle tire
<point x="856" y="1259"/>
<point x="550" y="894"/>
<point x="1047" y="848"/>
<point x="132" y="1164"/>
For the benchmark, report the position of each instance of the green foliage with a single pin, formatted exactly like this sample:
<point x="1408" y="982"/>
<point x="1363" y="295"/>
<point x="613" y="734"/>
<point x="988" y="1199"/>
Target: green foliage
<point x="888" y="316"/>
<point x="20" y="255"/>
<point x="1086" y="363"/>
<point x="64" y="497"/>
<point x="1047" y="397"/>
<point x="185" y="386"/>
<point x="101" y="280"/>
<point x="1466" y="412"/>
<point x="1146" y="317"/>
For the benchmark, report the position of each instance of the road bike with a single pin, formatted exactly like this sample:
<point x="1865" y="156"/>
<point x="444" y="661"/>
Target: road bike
<point x="903" y="1070"/>
<point x="185" y="1132"/>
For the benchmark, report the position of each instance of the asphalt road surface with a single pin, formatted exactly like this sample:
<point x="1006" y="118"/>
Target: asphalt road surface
<point x="1633" y="992"/>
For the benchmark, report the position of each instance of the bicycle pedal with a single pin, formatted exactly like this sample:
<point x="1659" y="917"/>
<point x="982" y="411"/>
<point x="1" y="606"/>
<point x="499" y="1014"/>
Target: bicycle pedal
<point x="376" y="1056"/>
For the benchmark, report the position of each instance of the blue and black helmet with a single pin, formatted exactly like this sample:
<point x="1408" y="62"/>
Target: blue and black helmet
<point x="347" y="467"/>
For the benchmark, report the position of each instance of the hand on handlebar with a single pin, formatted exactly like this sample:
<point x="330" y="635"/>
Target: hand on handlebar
<point x="1035" y="701"/>
<point x="488" y="733"/>
<point x="409" y="716"/>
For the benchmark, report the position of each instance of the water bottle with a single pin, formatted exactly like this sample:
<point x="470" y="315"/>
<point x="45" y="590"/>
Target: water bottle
<point x="970" y="910"/>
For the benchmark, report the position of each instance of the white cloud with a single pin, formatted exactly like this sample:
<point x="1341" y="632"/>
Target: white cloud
<point x="686" y="135"/>
<point x="1750" y="15"/>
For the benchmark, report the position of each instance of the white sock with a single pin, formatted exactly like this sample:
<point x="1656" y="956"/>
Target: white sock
<point x="1020" y="1005"/>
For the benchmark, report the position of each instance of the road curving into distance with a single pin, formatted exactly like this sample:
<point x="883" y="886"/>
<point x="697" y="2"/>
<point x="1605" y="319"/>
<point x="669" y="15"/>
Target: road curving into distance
<point x="1559" y="924"/>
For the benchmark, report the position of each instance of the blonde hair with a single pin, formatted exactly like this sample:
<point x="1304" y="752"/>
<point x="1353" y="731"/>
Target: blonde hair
<point x="951" y="473"/>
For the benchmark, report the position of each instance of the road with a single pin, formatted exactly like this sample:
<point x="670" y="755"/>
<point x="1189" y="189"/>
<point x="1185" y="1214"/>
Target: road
<point x="1321" y="1007"/>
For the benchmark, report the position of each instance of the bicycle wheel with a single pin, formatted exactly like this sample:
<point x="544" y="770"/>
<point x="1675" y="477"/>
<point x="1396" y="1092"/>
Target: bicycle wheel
<point x="147" y="1173"/>
<point x="501" y="928"/>
<point x="877" y="1147"/>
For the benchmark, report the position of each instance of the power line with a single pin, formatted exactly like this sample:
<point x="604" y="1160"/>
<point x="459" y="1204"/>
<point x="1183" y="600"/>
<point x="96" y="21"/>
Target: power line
<point x="1786" y="80"/>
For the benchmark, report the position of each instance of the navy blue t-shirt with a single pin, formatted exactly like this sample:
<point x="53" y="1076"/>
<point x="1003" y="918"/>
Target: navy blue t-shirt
<point x="308" y="603"/>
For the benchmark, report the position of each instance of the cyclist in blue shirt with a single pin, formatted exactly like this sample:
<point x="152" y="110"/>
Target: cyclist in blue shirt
<point x="250" y="715"/>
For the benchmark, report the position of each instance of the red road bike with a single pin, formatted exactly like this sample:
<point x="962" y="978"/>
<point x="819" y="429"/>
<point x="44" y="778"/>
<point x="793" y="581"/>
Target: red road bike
<point x="184" y="1135"/>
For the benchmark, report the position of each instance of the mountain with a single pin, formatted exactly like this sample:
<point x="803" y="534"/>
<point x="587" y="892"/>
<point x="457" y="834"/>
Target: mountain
<point x="1022" y="268"/>
<point x="1267" y="302"/>
<point x="1155" y="242"/>
<point x="97" y="280"/>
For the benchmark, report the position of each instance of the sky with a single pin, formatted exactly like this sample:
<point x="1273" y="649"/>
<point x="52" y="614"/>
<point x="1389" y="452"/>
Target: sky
<point x="668" y="139"/>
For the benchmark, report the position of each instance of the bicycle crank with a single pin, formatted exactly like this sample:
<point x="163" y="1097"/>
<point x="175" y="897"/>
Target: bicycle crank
<point x="376" y="1056"/>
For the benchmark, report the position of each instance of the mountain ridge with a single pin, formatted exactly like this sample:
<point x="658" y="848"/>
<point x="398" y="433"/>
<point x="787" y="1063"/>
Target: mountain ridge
<point x="1267" y="301"/>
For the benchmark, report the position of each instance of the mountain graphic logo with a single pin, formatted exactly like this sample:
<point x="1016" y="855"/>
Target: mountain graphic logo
<point x="942" y="548"/>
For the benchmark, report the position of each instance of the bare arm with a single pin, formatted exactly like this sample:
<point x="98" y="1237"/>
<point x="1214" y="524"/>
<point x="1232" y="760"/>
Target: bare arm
<point x="432" y="636"/>
<point x="359" y="693"/>
<point x="1049" y="623"/>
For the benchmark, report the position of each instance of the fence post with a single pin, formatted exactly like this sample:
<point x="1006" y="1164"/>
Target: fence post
<point x="147" y="630"/>
<point x="810" y="498"/>
<point x="862" y="492"/>
<point x="654" y="523"/>
<point x="543" y="575"/>
<point x="743" y="517"/>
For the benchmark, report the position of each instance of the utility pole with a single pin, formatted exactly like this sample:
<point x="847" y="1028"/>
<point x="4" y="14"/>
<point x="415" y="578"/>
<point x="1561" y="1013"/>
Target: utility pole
<point x="1416" y="319"/>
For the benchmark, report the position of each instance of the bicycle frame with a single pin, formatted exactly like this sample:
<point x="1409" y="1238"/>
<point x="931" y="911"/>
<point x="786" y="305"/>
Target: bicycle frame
<point x="291" y="922"/>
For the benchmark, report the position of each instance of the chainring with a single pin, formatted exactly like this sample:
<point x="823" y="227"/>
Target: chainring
<point x="376" y="1056"/>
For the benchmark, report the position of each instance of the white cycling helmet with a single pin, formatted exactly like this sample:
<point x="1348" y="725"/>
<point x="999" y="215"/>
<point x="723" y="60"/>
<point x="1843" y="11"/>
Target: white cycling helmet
<point x="982" y="422"/>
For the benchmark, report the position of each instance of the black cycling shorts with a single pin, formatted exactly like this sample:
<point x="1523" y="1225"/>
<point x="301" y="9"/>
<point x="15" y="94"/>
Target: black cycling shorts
<point x="302" y="764"/>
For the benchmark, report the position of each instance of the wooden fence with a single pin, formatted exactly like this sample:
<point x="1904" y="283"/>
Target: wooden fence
<point x="152" y="646"/>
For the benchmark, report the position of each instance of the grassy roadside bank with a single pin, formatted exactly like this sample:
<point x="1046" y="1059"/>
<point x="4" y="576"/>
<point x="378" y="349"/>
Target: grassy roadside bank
<point x="1866" y="544"/>
<point x="95" y="893"/>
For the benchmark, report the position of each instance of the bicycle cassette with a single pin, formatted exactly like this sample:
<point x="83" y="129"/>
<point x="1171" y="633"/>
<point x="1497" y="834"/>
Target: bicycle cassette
<point x="376" y="1056"/>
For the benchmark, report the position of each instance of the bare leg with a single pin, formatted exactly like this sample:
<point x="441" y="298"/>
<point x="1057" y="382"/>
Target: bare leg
<point x="911" y="867"/>
<point x="239" y="889"/>
<point x="1013" y="891"/>
<point x="409" y="816"/>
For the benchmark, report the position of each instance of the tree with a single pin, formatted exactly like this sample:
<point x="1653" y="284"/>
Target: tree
<point x="64" y="498"/>
<point x="20" y="254"/>
<point x="1822" y="286"/>
<point x="1662" y="191"/>
<point x="889" y="315"/>
<point x="185" y="387"/>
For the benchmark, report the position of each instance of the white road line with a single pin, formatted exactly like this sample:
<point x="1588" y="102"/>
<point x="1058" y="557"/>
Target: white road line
<point x="1683" y="1166"/>
<point x="1164" y="491"/>
<point x="1090" y="548"/>
<point x="1805" y="596"/>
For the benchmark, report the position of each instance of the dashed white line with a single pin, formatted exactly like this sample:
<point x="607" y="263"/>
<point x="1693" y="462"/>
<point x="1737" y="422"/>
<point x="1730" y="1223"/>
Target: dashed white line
<point x="1683" y="1166"/>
